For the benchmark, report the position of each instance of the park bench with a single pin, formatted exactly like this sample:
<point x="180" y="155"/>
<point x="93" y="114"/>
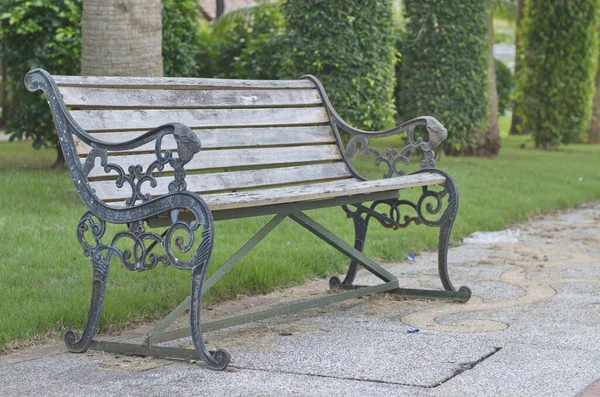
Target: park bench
<point x="132" y="146"/>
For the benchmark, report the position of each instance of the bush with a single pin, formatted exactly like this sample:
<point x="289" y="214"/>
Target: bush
<point x="350" y="48"/>
<point x="505" y="84"/>
<point x="181" y="37"/>
<point x="444" y="69"/>
<point x="51" y="30"/>
<point x="46" y="34"/>
<point x="242" y="40"/>
<point x="556" y="80"/>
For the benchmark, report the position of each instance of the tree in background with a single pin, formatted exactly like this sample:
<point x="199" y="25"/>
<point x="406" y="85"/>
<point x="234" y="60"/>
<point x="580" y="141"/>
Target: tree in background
<point x="445" y="69"/>
<point x="516" y="117"/>
<point x="52" y="31"/>
<point x="594" y="127"/>
<point x="122" y="38"/>
<point x="556" y="84"/>
<point x="349" y="47"/>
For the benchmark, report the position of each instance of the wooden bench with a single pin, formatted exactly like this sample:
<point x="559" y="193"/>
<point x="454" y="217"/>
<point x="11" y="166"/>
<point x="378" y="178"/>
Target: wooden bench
<point x="268" y="147"/>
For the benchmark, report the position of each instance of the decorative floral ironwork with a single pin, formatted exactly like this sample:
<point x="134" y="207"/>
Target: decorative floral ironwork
<point x="92" y="225"/>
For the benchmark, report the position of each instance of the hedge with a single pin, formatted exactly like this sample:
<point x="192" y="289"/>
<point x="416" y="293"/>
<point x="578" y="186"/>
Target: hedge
<point x="444" y="68"/>
<point x="505" y="85"/>
<point x="51" y="30"/>
<point x="556" y="83"/>
<point x="350" y="48"/>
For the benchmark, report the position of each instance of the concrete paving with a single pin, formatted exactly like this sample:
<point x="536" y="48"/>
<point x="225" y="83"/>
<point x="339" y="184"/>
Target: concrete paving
<point x="530" y="330"/>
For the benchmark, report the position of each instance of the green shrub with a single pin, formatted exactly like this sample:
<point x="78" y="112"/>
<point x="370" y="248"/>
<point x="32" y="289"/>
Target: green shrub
<point x="181" y="35"/>
<point x="556" y="81"/>
<point x="444" y="68"/>
<point x="47" y="34"/>
<point x="239" y="37"/>
<point x="505" y="84"/>
<point x="350" y="48"/>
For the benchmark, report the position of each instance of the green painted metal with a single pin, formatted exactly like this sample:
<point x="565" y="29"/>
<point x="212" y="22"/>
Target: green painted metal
<point x="217" y="275"/>
<point x="132" y="349"/>
<point x="277" y="311"/>
<point x="317" y="229"/>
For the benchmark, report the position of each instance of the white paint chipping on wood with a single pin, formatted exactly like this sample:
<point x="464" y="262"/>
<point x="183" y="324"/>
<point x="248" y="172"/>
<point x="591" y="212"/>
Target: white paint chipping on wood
<point x="179" y="83"/>
<point x="311" y="192"/>
<point x="214" y="159"/>
<point x="228" y="138"/>
<point x="103" y="120"/>
<point x="111" y="98"/>
<point x="222" y="181"/>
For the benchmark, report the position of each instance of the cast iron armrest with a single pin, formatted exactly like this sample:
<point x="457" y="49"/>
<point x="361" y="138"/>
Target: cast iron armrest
<point x="436" y="133"/>
<point x="187" y="142"/>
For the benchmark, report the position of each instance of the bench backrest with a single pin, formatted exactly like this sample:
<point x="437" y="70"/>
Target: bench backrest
<point x="254" y="134"/>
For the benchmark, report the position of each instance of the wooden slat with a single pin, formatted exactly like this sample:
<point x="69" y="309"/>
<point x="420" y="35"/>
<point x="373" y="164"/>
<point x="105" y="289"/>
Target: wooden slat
<point x="291" y="194"/>
<point x="86" y="97"/>
<point x="212" y="159"/>
<point x="204" y="183"/>
<point x="227" y="138"/>
<point x="177" y="83"/>
<point x="311" y="192"/>
<point x="102" y="120"/>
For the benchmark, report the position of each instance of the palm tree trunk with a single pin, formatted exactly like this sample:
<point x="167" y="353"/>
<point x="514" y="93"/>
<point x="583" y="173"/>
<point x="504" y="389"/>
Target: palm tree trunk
<point x="516" y="119"/>
<point x="122" y="38"/>
<point x="488" y="144"/>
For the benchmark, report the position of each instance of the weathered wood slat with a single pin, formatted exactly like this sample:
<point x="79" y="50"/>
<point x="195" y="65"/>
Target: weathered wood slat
<point x="315" y="191"/>
<point x="103" y="120"/>
<point x="291" y="194"/>
<point x="204" y="183"/>
<point x="211" y="159"/>
<point x="178" y="83"/>
<point x="85" y="97"/>
<point x="227" y="138"/>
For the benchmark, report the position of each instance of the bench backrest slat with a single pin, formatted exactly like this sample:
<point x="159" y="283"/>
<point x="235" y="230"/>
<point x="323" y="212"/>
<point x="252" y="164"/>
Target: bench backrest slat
<point x="118" y="98"/>
<point x="235" y="180"/>
<point x="254" y="134"/>
<point x="230" y="137"/>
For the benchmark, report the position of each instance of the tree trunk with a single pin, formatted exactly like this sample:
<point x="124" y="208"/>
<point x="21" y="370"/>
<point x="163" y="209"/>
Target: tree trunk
<point x="516" y="119"/>
<point x="594" y="128"/>
<point x="122" y="38"/>
<point x="488" y="144"/>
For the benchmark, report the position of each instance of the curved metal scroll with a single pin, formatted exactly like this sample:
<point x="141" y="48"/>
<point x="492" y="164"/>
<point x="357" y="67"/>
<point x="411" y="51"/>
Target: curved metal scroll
<point x="188" y="145"/>
<point x="392" y="158"/>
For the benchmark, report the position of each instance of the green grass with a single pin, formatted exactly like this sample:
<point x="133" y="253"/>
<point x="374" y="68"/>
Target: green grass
<point x="46" y="281"/>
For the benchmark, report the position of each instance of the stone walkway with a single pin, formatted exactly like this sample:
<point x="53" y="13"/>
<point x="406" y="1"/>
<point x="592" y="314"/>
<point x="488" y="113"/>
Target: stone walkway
<point x="530" y="330"/>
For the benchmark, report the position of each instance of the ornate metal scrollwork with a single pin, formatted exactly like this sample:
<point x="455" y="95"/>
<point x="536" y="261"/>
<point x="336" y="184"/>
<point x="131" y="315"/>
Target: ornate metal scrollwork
<point x="140" y="257"/>
<point x="393" y="158"/>
<point x="429" y="204"/>
<point x="187" y="145"/>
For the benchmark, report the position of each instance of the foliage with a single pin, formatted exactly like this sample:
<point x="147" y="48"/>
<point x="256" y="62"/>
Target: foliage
<point x="350" y="48"/>
<point x="52" y="31"/>
<point x="243" y="41"/>
<point x="42" y="33"/>
<point x="444" y="69"/>
<point x="181" y="35"/>
<point x="556" y="81"/>
<point x="505" y="85"/>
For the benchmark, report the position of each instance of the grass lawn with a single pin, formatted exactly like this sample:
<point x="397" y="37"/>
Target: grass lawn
<point x="46" y="281"/>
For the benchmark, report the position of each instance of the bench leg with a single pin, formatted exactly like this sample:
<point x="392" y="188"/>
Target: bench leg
<point x="446" y="223"/>
<point x="361" y="225"/>
<point x="80" y="344"/>
<point x="219" y="359"/>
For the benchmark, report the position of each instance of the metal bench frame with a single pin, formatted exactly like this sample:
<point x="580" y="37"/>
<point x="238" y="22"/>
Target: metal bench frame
<point x="197" y="219"/>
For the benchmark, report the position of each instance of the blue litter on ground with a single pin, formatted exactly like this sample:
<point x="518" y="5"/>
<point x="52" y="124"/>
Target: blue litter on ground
<point x="412" y="330"/>
<point x="411" y="257"/>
